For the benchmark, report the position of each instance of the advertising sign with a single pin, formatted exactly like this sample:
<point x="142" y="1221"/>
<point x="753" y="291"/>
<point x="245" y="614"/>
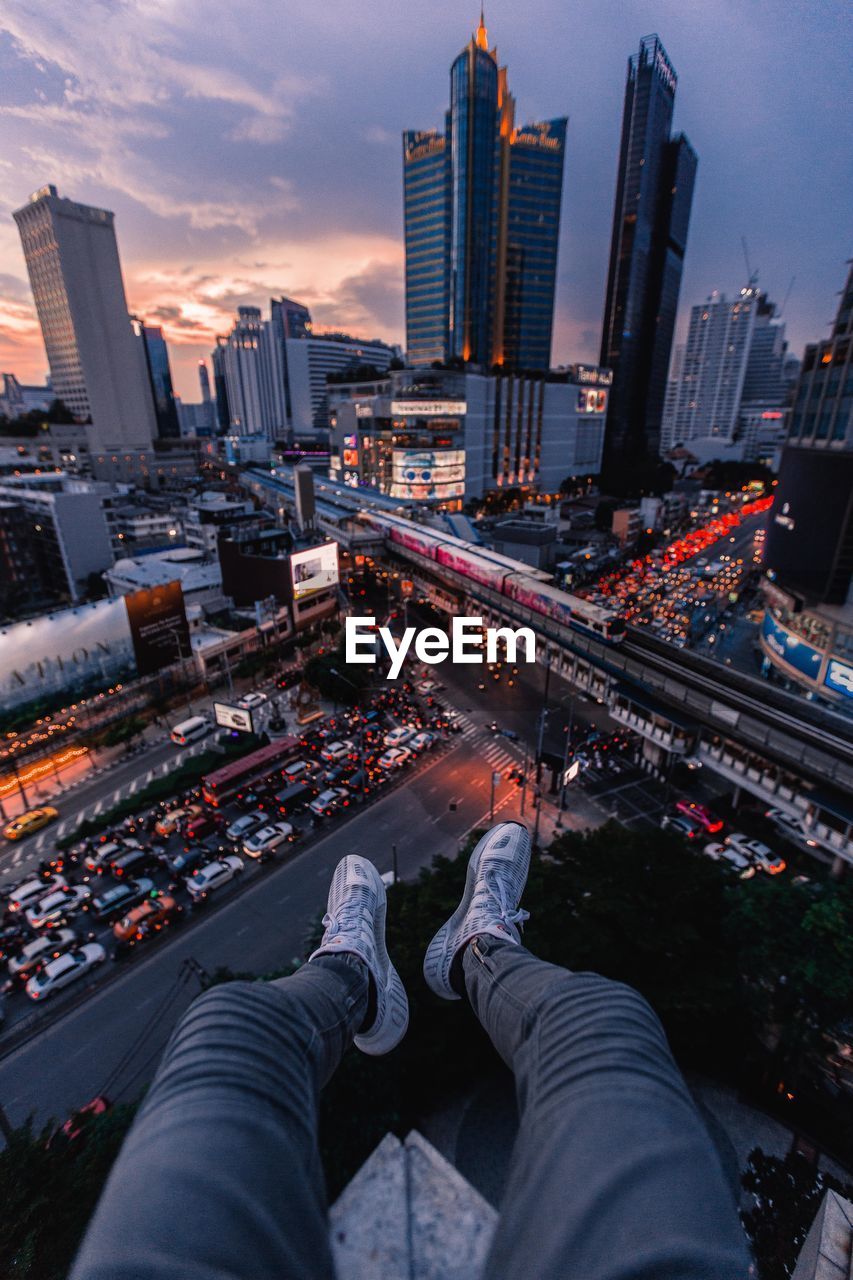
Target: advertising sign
<point x="592" y="401"/>
<point x="314" y="570"/>
<point x="428" y="408"/>
<point x="233" y="717"/>
<point x="72" y="649"/>
<point x="419" y="474"/>
<point x="158" y="626"/>
<point x="791" y="648"/>
<point x="839" y="678"/>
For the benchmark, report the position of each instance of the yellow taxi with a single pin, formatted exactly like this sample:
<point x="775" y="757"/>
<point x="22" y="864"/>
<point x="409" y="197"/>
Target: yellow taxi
<point x="29" y="822"/>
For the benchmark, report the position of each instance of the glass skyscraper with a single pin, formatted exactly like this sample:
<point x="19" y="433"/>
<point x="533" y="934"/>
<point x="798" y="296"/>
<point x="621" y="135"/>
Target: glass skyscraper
<point x="482" y="217"/>
<point x="654" y="192"/>
<point x="160" y="377"/>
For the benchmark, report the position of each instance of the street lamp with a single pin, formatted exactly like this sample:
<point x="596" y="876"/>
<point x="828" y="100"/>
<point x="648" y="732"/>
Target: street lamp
<point x="175" y="631"/>
<point x="358" y="692"/>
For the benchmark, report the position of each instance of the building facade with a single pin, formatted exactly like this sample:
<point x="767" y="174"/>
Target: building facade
<point x="160" y="377"/>
<point x="442" y="437"/>
<point x="254" y="378"/>
<point x="482" y="216"/>
<point x="96" y="362"/>
<point x="654" y="193"/>
<point x="807" y="632"/>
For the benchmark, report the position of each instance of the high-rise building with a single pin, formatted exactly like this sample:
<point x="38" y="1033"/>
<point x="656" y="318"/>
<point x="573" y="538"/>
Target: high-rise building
<point x="807" y="633"/>
<point x="97" y="364"/>
<point x="482" y="216"/>
<point x="160" y="377"/>
<point x="220" y="386"/>
<point x="654" y="192"/>
<point x="204" y="382"/>
<point x="731" y="375"/>
<point x="254" y="377"/>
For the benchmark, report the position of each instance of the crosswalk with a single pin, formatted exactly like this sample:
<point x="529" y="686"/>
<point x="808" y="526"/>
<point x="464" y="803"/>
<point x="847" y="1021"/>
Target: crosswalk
<point x="496" y="753"/>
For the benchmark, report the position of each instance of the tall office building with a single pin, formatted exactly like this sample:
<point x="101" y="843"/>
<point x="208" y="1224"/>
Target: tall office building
<point x="204" y="382"/>
<point x="220" y="385"/>
<point x="254" y="377"/>
<point x="654" y="192"/>
<point x="807" y="632"/>
<point x="97" y="365"/>
<point x="731" y="380"/>
<point x="160" y="377"/>
<point x="482" y="217"/>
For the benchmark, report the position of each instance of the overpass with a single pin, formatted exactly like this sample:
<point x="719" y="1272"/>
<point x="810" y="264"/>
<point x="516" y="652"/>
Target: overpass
<point x="785" y="750"/>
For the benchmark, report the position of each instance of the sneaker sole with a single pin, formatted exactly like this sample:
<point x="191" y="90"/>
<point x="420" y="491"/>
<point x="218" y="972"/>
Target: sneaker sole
<point x="437" y="950"/>
<point x="389" y="1030"/>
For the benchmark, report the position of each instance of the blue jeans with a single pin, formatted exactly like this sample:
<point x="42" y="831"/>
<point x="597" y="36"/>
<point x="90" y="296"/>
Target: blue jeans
<point x="613" y="1176"/>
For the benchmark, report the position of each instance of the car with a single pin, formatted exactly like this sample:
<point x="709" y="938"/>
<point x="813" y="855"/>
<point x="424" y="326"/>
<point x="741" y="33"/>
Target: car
<point x="691" y="762"/>
<point x="701" y="815"/>
<point x="57" y="907"/>
<point x="40" y="951"/>
<point x="64" y="970"/>
<point x="202" y="825"/>
<point x="133" y="861"/>
<point x="249" y="701"/>
<point x="422" y="741"/>
<point x="149" y="917"/>
<point x="296" y="769"/>
<point x="245" y="826"/>
<point x="680" y="823"/>
<point x="329" y="801"/>
<point x="744" y="866"/>
<point x="294" y="797"/>
<point x="171" y="821"/>
<point x="760" y="854"/>
<point x="213" y="875"/>
<point x="399" y="736"/>
<point x="119" y="897"/>
<point x="189" y="860"/>
<point x="26" y="824"/>
<point x="790" y="826"/>
<point x="336" y="751"/>
<point x="268" y="839"/>
<point x="102" y="855"/>
<point x="30" y="891"/>
<point x="395" y="758"/>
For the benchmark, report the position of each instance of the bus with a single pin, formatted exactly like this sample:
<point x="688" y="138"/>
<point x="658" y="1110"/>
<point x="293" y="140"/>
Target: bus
<point x="222" y="785"/>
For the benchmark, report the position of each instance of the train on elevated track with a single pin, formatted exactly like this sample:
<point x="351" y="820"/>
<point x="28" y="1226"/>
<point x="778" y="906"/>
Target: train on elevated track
<point x="529" y="589"/>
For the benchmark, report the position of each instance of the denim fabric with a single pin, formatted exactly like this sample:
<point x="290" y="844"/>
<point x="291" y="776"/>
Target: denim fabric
<point x="613" y="1175"/>
<point x="220" y="1176"/>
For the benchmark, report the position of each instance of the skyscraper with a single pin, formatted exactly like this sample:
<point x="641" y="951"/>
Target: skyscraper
<point x="204" y="382"/>
<point x="97" y="365"/>
<point x="654" y="192"/>
<point x="254" y="377"/>
<point x="482" y="215"/>
<point x="160" y="378"/>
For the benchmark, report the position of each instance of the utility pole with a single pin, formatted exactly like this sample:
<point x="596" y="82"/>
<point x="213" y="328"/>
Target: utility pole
<point x="524" y="779"/>
<point x="496" y="777"/>
<point x="394" y="862"/>
<point x="543" y="715"/>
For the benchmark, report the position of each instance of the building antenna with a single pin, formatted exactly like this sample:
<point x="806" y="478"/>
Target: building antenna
<point x="787" y="296"/>
<point x="752" y="275"/>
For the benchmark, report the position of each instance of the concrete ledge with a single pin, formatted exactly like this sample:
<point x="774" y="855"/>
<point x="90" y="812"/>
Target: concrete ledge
<point x="409" y="1215"/>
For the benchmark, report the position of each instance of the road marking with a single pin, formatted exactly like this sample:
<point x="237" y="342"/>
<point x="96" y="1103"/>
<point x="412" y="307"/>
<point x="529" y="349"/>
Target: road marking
<point x="97" y="809"/>
<point x="62" y="828"/>
<point x="149" y="777"/>
<point x="133" y="787"/>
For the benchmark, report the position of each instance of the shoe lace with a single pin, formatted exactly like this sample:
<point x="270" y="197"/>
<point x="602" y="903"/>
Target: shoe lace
<point x="348" y="916"/>
<point x="509" y="914"/>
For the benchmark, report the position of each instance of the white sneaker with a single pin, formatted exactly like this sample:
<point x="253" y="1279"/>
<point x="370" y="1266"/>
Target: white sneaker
<point x="355" y="922"/>
<point x="497" y="874"/>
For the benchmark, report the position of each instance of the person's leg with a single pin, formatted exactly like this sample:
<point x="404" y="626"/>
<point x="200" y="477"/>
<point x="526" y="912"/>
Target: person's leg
<point x="613" y="1176"/>
<point x="613" y="1173"/>
<point x="220" y="1175"/>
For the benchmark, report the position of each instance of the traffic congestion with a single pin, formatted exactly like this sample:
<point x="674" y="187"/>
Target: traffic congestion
<point x="114" y="893"/>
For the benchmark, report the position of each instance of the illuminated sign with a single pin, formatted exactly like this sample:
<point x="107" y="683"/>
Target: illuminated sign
<point x="790" y="648"/>
<point x="364" y="411"/>
<point x="233" y="717"/>
<point x="314" y="570"/>
<point x="419" y="474"/>
<point x="350" y="457"/>
<point x="158" y="626"/>
<point x="839" y="678"/>
<point x="350" y="442"/>
<point x="591" y="375"/>
<point x="428" y="408"/>
<point x="592" y="401"/>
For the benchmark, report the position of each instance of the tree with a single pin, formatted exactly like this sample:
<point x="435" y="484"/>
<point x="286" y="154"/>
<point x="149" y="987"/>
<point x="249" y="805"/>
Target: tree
<point x="321" y="672"/>
<point x="787" y="1193"/>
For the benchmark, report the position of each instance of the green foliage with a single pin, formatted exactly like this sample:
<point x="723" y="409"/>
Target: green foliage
<point x="123" y="731"/>
<point x="49" y="1188"/>
<point x="329" y="674"/>
<point x="787" y="1194"/>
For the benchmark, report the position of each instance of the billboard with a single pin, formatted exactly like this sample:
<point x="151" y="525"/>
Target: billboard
<point x="428" y="408"/>
<point x="158" y="626"/>
<point x="420" y="474"/>
<point x="590" y="401"/>
<point x="839" y="677"/>
<point x="314" y="570"/>
<point x="233" y="717"/>
<point x="791" y="648"/>
<point x="74" y="650"/>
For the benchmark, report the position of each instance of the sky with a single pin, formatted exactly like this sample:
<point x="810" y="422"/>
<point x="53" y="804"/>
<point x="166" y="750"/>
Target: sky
<point x="254" y="150"/>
